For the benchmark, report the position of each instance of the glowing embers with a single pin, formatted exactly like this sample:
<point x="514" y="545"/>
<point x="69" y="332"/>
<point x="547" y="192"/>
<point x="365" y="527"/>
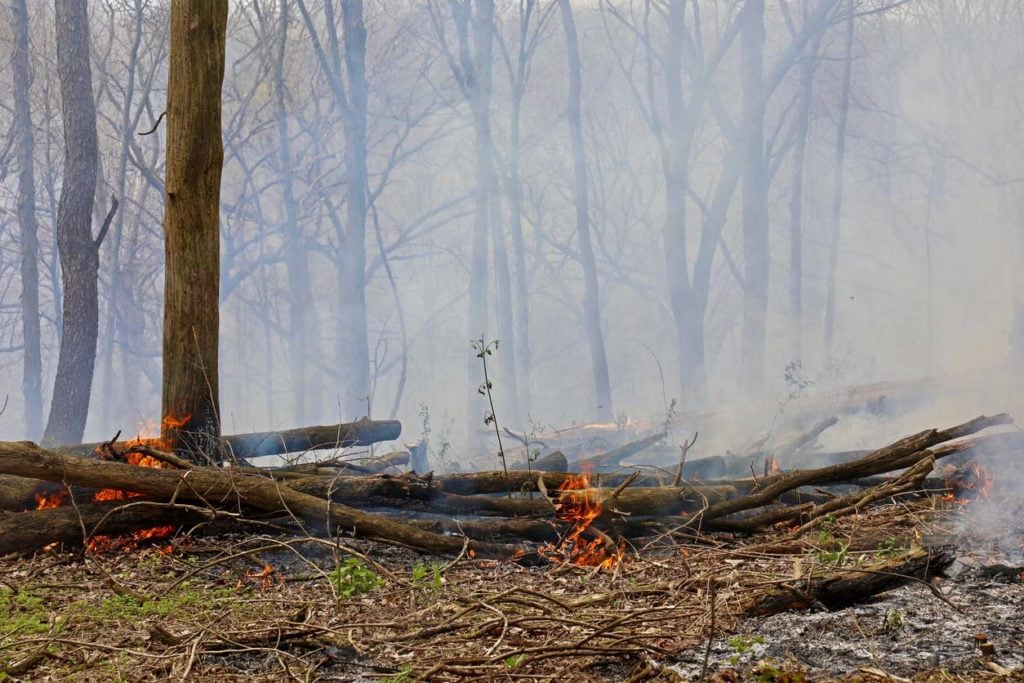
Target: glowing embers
<point x="575" y="504"/>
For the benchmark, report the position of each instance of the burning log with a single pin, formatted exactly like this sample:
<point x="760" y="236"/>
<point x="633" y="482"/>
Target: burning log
<point x="846" y="587"/>
<point x="232" y="490"/>
<point x="73" y="525"/>
<point x="300" y="440"/>
<point x="902" y="454"/>
<point x="16" y="493"/>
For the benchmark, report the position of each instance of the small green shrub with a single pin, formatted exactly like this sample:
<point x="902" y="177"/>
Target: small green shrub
<point x="427" y="576"/>
<point x="353" y="578"/>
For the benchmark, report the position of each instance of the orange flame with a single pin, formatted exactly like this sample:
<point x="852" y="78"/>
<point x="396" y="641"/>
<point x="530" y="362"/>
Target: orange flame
<point x="45" y="501"/>
<point x="264" y="577"/>
<point x="966" y="484"/>
<point x="148" y="436"/>
<point x="579" y="509"/>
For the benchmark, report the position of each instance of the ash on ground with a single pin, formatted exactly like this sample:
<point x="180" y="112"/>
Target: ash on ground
<point x="902" y="633"/>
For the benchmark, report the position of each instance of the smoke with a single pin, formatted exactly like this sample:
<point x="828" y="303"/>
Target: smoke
<point x="930" y="250"/>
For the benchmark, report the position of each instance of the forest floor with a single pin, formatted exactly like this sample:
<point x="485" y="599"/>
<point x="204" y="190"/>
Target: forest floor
<point x="274" y="608"/>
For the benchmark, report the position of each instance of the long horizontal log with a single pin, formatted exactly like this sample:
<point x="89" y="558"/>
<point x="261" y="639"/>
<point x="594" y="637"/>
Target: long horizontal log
<point x="899" y="455"/>
<point x="221" y="487"/>
<point x="300" y="440"/>
<point x="615" y="456"/>
<point x="421" y="494"/>
<point x="17" y="493"/>
<point x="70" y="525"/>
<point x="846" y="587"/>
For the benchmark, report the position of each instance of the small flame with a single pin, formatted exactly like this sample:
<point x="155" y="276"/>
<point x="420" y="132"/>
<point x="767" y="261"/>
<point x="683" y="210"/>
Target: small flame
<point x="580" y="510"/>
<point x="968" y="483"/>
<point x="45" y="501"/>
<point x="263" y="577"/>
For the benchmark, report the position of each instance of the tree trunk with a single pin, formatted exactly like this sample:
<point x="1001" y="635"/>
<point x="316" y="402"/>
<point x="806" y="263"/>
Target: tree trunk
<point x="511" y="405"/>
<point x="195" y="155"/>
<point x="837" y="192"/>
<point x="479" y="94"/>
<point x="300" y="292"/>
<point x="796" y="207"/>
<point x="79" y="252"/>
<point x="32" y="377"/>
<point x="591" y="297"/>
<point x="115" y="296"/>
<point x="755" y="203"/>
<point x="687" y="313"/>
<point x="515" y="225"/>
<point x="355" y="352"/>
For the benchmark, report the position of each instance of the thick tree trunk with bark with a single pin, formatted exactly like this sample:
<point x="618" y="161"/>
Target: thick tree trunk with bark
<point x="79" y="251"/>
<point x="195" y="155"/>
<point x="591" y="297"/>
<point x="32" y="376"/>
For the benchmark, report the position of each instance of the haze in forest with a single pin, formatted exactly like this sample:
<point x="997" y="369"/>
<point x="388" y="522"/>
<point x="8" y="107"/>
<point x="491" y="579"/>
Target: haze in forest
<point x="727" y="216"/>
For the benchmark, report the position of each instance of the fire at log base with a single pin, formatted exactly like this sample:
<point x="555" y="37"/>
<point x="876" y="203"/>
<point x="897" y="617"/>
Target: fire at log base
<point x="233" y="489"/>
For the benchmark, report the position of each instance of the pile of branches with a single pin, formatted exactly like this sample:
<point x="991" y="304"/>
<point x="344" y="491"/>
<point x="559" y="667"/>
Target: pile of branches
<point x="499" y="515"/>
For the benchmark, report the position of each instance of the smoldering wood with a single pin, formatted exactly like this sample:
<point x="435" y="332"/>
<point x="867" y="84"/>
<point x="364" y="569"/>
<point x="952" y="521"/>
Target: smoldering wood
<point x="72" y="524"/>
<point x="231" y="490"/>
<point x="18" y="493"/>
<point x="847" y="587"/>
<point x="901" y="454"/>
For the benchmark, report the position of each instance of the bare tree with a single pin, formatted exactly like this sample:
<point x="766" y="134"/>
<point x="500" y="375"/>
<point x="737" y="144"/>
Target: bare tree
<point x="79" y="250"/>
<point x="837" y="191"/>
<point x="32" y="377"/>
<point x="591" y="297"/>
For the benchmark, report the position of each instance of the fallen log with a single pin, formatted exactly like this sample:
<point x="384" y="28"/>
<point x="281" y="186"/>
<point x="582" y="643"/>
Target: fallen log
<point x="300" y="440"/>
<point x="420" y="493"/>
<point x="17" y="493"/>
<point x="223" y="488"/>
<point x="613" y="457"/>
<point x="846" y="587"/>
<point x="899" y="455"/>
<point x="74" y="524"/>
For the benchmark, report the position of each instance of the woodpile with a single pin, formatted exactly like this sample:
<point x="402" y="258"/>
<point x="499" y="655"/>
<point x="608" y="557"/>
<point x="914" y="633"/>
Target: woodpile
<point x="575" y="516"/>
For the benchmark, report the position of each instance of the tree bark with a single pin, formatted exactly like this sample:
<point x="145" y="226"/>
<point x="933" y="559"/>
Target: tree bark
<point x="231" y="490"/>
<point x="195" y="155"/>
<point x="79" y="251"/>
<point x="32" y="376"/>
<point x="591" y="296"/>
<point x="299" y="440"/>
<point x="844" y="588"/>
